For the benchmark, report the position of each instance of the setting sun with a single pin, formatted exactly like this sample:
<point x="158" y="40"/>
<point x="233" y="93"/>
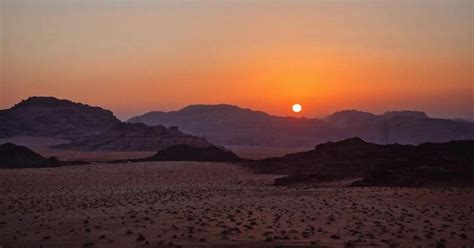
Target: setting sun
<point x="296" y="108"/>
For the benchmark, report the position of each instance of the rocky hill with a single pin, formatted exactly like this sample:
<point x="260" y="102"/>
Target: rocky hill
<point x="189" y="153"/>
<point x="135" y="137"/>
<point x="231" y="125"/>
<point x="14" y="156"/>
<point x="376" y="165"/>
<point x="52" y="117"/>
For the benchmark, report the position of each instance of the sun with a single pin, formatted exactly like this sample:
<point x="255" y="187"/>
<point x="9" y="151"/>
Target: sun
<point x="297" y="108"/>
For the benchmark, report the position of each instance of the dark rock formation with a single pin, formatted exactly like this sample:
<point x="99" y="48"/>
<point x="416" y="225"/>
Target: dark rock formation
<point x="189" y="153"/>
<point x="135" y="137"/>
<point x="379" y="165"/>
<point x="439" y="164"/>
<point x="13" y="156"/>
<point x="48" y="116"/>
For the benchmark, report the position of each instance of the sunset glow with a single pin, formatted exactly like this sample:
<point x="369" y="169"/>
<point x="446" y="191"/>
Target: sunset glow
<point x="236" y="123"/>
<point x="264" y="55"/>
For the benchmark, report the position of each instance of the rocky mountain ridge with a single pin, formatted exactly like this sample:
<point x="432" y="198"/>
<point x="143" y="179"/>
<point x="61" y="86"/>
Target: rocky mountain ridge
<point x="135" y="137"/>
<point x="231" y="125"/>
<point x="376" y="165"/>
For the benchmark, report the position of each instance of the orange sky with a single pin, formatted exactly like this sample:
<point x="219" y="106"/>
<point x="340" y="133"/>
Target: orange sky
<point x="136" y="56"/>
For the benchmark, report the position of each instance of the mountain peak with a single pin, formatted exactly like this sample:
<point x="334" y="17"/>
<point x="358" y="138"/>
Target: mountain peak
<point x="351" y="113"/>
<point x="352" y="141"/>
<point x="207" y="108"/>
<point x="50" y="116"/>
<point x="44" y="101"/>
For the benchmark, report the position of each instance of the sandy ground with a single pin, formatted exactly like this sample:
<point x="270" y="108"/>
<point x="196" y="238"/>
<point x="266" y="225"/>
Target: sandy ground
<point x="213" y="204"/>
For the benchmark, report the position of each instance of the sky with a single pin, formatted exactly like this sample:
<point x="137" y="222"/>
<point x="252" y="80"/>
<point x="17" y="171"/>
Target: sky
<point x="137" y="56"/>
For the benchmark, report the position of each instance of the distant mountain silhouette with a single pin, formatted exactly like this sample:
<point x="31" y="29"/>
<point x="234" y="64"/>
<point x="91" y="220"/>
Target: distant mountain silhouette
<point x="228" y="125"/>
<point x="13" y="156"/>
<point x="404" y="127"/>
<point x="379" y="165"/>
<point x="52" y="117"/>
<point x="135" y="137"/>
<point x="231" y="125"/>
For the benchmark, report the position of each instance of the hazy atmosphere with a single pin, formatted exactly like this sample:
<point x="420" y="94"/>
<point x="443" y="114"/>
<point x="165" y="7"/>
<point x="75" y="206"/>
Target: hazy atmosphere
<point x="236" y="123"/>
<point x="129" y="56"/>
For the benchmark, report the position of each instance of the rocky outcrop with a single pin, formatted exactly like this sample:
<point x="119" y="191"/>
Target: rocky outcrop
<point x="52" y="117"/>
<point x="189" y="153"/>
<point x="378" y="165"/>
<point x="135" y="137"/>
<point x="14" y="156"/>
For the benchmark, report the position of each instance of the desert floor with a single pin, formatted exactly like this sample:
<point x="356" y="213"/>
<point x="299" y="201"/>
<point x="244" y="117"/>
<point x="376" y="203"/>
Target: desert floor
<point x="214" y="204"/>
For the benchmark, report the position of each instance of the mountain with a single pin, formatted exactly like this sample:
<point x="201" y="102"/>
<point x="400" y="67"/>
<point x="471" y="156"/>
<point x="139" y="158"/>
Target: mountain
<point x="13" y="156"/>
<point x="232" y="125"/>
<point x="224" y="125"/>
<point x="404" y="127"/>
<point x="52" y="117"/>
<point x="135" y="137"/>
<point x="376" y="165"/>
